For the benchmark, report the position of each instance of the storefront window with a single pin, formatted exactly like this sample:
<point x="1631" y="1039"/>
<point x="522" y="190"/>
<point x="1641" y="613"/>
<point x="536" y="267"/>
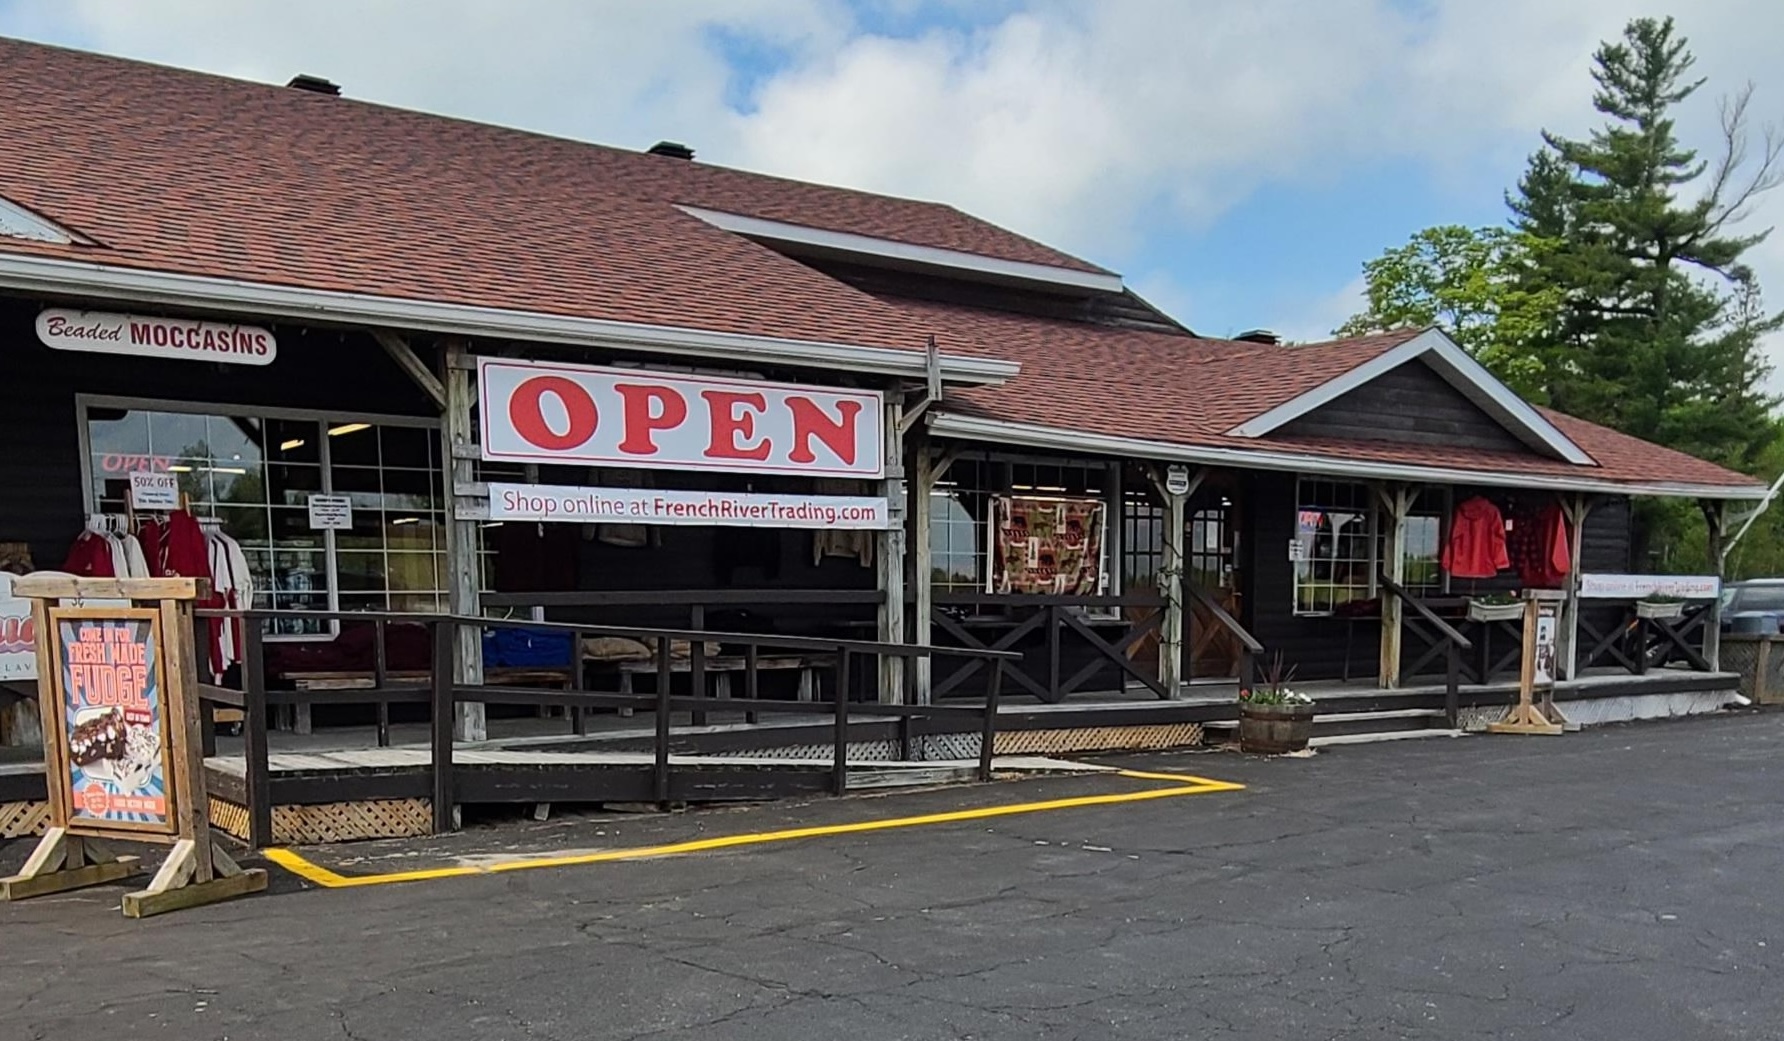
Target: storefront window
<point x="254" y="475"/>
<point x="1336" y="551"/>
<point x="1341" y="536"/>
<point x="1422" y="542"/>
<point x="960" y="509"/>
<point x="1143" y="540"/>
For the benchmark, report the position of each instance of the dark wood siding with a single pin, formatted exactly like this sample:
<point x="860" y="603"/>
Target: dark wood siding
<point x="40" y="482"/>
<point x="1316" y="647"/>
<point x="1410" y="404"/>
<point x="1324" y="647"/>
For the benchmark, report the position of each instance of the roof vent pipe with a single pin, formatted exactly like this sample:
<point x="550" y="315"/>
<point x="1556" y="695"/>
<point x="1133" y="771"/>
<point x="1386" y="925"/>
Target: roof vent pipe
<point x="1263" y="336"/>
<point x="672" y="149"/>
<point x="315" y="85"/>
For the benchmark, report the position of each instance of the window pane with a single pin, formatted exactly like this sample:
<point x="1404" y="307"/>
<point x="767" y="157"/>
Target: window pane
<point x="293" y="441"/>
<point x="234" y="442"/>
<point x="360" y="572"/>
<point x="352" y="444"/>
<point x="177" y="435"/>
<point x="407" y="447"/>
<point x="292" y="485"/>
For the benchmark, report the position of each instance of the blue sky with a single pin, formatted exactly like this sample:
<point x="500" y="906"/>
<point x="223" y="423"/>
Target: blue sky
<point x="1237" y="163"/>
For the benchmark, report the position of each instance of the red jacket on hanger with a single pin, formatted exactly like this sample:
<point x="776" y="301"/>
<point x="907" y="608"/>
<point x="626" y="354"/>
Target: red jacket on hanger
<point x="1476" y="546"/>
<point x="1543" y="555"/>
<point x="90" y="557"/>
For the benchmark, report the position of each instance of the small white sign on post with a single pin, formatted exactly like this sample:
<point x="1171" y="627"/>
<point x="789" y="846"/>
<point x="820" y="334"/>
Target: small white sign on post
<point x="1177" y="479"/>
<point x="331" y="513"/>
<point x="1297" y="551"/>
<point x="149" y="490"/>
<point x="1545" y="646"/>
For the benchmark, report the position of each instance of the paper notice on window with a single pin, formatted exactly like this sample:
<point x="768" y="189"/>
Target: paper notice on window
<point x="331" y="513"/>
<point x="153" y="491"/>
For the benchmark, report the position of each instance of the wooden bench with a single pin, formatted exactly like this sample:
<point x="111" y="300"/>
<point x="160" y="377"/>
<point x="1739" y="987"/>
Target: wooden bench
<point x="722" y="667"/>
<point x="358" y="679"/>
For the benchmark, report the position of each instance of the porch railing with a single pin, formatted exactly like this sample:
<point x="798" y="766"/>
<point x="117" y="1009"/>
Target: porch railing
<point x="1640" y="644"/>
<point x="1250" y="649"/>
<point x="1024" y="618"/>
<point x="442" y="695"/>
<point x="1441" y="637"/>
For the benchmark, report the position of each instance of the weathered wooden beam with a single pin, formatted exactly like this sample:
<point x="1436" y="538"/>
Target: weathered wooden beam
<point x="889" y="561"/>
<point x="1576" y="508"/>
<point x="922" y="556"/>
<point x="1715" y="515"/>
<point x="1396" y="500"/>
<point x="52" y="586"/>
<point x="417" y="370"/>
<point x="457" y="433"/>
<point x="1170" y="577"/>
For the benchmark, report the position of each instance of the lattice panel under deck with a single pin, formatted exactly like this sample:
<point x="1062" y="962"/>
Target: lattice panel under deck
<point x="18" y="819"/>
<point x="1099" y="739"/>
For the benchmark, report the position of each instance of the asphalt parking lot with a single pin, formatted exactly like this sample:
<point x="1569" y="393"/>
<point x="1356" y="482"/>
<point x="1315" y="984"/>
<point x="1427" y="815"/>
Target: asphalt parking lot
<point x="1618" y="884"/>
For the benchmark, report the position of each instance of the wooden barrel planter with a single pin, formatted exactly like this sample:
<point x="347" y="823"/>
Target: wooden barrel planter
<point x="1275" y="729"/>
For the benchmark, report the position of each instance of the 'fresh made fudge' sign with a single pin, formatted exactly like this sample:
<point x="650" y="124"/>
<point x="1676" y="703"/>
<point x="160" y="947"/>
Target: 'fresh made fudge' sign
<point x="114" y="716"/>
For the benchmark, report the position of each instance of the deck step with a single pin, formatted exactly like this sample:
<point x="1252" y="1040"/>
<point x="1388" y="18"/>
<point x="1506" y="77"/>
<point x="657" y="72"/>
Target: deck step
<point x="1329" y="740"/>
<point x="1334" y="724"/>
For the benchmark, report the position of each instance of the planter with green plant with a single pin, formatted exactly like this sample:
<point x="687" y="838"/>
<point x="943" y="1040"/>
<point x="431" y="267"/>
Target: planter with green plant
<point x="1495" y="607"/>
<point x="1657" y="605"/>
<point x="1273" y="718"/>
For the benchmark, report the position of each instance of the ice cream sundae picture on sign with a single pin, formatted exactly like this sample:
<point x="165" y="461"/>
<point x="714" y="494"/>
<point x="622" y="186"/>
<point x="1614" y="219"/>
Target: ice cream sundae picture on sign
<point x="114" y="713"/>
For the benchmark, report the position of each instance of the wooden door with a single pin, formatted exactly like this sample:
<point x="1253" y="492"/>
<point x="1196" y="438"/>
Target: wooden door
<point x="1211" y="649"/>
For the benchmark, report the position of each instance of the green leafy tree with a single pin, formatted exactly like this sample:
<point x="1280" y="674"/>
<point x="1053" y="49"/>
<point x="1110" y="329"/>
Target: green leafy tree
<point x="1466" y="280"/>
<point x="1619" y="293"/>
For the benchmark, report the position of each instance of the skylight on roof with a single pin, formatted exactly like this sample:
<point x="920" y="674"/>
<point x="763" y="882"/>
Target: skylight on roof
<point x="19" y="223"/>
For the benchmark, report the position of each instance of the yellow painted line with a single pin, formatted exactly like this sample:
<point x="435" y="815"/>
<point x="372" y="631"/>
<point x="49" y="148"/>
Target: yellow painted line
<point x="1181" y="784"/>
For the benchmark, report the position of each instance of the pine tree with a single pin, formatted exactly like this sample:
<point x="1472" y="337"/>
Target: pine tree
<point x="1657" y="331"/>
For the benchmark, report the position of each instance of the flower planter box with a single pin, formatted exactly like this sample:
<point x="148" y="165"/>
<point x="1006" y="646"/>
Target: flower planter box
<point x="1275" y="729"/>
<point x="1650" y="609"/>
<point x="1479" y="612"/>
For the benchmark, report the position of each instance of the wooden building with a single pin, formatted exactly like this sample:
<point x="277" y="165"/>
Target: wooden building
<point x="1222" y="497"/>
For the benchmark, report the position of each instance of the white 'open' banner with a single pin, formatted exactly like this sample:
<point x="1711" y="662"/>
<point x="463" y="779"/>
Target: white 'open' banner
<point x="536" y="412"/>
<point x="540" y="502"/>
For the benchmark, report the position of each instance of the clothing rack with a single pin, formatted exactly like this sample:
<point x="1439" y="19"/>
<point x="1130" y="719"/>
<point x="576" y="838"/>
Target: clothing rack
<point x="110" y="523"/>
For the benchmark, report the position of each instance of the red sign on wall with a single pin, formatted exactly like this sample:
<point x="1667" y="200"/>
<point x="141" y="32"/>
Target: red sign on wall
<point x="579" y="414"/>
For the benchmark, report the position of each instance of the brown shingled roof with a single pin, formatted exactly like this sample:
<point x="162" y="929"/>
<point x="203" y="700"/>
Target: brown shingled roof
<point x="196" y="174"/>
<point x="188" y="173"/>
<point x="1180" y="390"/>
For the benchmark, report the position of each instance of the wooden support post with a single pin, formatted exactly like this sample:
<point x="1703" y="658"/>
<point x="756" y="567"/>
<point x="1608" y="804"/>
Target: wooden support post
<point x="1171" y="671"/>
<point x="1576" y="508"/>
<point x="457" y="440"/>
<point x="1525" y="717"/>
<point x="930" y="469"/>
<point x="1715" y="516"/>
<point x="256" y="762"/>
<point x="889" y="560"/>
<point x="1396" y="500"/>
<point x="839" y="760"/>
<point x="665" y="678"/>
<point x="442" y="718"/>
